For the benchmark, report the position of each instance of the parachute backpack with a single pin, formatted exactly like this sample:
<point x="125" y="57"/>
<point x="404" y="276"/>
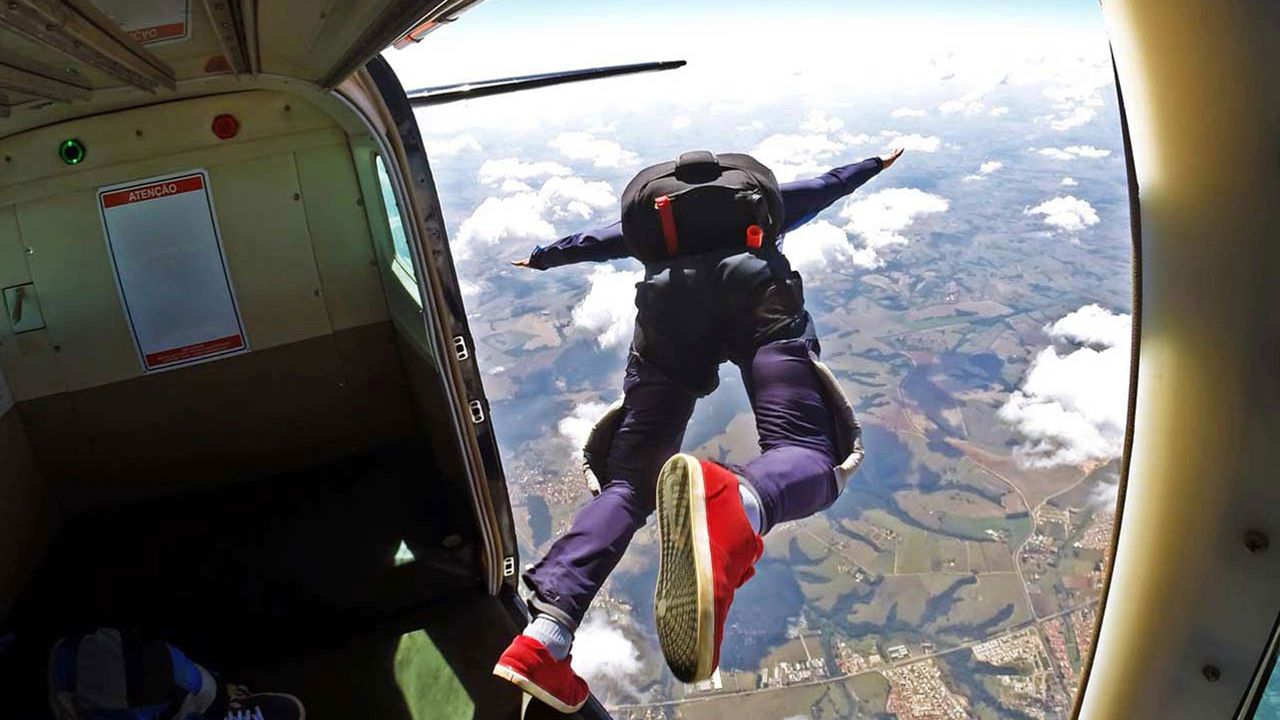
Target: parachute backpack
<point x="701" y="203"/>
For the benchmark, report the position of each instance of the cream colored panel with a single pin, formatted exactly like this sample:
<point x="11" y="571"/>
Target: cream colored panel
<point x="340" y="234"/>
<point x="305" y="39"/>
<point x="264" y="231"/>
<point x="91" y="341"/>
<point x="27" y="358"/>
<point x="13" y="262"/>
<point x="155" y="132"/>
<point x="1192" y="600"/>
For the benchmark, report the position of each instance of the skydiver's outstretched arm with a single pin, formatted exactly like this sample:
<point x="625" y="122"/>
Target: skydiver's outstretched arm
<point x="599" y="245"/>
<point x="804" y="199"/>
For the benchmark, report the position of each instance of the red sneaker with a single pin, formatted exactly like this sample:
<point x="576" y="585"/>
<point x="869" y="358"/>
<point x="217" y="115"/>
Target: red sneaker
<point x="709" y="549"/>
<point x="528" y="665"/>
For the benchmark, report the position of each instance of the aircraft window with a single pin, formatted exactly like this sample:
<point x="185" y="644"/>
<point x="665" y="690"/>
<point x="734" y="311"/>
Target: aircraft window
<point x="973" y="300"/>
<point x="403" y="258"/>
<point x="1269" y="703"/>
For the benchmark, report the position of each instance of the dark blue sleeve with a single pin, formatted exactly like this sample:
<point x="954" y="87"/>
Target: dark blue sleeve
<point x="595" y="246"/>
<point x="804" y="199"/>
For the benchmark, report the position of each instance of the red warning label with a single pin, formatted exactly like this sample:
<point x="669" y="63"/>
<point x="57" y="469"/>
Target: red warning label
<point x="198" y="350"/>
<point x="175" y="288"/>
<point x="159" y="33"/>
<point x="191" y="183"/>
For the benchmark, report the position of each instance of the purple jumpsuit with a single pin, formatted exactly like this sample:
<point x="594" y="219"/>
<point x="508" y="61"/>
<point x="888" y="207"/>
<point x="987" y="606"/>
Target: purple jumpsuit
<point x="694" y="312"/>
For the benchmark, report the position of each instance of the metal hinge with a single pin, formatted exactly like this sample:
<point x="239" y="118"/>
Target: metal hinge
<point x="508" y="566"/>
<point x="460" y="348"/>
<point x="477" y="412"/>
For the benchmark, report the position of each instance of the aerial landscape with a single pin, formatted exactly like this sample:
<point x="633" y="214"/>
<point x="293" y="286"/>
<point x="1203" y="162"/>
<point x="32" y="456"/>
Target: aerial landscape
<point x="973" y="300"/>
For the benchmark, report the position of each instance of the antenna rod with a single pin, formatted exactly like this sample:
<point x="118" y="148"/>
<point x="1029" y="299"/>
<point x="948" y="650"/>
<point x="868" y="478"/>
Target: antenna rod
<point x="424" y="97"/>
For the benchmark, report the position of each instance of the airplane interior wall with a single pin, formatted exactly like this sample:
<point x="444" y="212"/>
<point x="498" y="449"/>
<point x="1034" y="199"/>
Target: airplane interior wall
<point x="323" y="377"/>
<point x="26" y="514"/>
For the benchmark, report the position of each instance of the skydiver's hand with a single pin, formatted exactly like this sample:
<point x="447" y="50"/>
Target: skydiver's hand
<point x="891" y="158"/>
<point x="520" y="263"/>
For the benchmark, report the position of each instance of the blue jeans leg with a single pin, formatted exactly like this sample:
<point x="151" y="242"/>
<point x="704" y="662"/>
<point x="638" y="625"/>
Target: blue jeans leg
<point x="794" y="474"/>
<point x="656" y="412"/>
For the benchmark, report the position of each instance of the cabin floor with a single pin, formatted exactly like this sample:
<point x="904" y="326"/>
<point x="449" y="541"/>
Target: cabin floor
<point x="354" y="586"/>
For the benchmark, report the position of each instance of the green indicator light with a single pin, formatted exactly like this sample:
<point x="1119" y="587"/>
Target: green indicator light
<point x="72" y="151"/>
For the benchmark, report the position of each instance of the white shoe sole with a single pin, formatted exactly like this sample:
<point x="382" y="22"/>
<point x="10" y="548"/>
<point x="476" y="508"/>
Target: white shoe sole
<point x="529" y="687"/>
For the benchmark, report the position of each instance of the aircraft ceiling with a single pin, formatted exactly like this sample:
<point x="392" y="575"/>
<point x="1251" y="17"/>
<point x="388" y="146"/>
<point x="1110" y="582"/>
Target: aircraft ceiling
<point x="61" y="59"/>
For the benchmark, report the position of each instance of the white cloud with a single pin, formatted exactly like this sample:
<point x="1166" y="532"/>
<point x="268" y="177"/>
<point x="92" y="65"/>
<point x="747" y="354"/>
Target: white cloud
<point x="818" y="246"/>
<point x="586" y="146"/>
<point x="985" y="169"/>
<point x="881" y="217"/>
<point x="968" y="105"/>
<point x="1069" y="182"/>
<point x="681" y="122"/>
<point x="1073" y="118"/>
<point x="515" y="186"/>
<point x="790" y="156"/>
<point x="609" y="307"/>
<point x="753" y="125"/>
<point x="1072" y="152"/>
<point x="1071" y="408"/>
<point x="452" y="146"/>
<point x="602" y="652"/>
<point x="1087" y="151"/>
<point x="999" y="111"/>
<point x="1077" y="96"/>
<point x="528" y="217"/>
<point x="1105" y="495"/>
<point x="1056" y="154"/>
<point x="1066" y="212"/>
<point x="576" y="427"/>
<point x="819" y="122"/>
<point x="494" y="171"/>
<point x="904" y="112"/>
<point x="918" y="143"/>
<point x="859" y="139"/>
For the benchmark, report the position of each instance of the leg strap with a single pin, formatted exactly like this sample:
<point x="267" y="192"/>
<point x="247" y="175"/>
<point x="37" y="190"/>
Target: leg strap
<point x="848" y="429"/>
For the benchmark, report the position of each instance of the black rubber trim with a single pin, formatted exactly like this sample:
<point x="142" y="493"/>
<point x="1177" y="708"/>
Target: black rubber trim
<point x="436" y="251"/>
<point x="1135" y="230"/>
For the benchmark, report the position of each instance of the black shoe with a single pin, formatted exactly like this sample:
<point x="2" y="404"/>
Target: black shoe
<point x="244" y="705"/>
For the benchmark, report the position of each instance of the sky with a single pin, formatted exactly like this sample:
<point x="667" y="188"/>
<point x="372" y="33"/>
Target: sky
<point x="532" y="30"/>
<point x="1005" y="108"/>
<point x="837" y="79"/>
<point x="818" y="50"/>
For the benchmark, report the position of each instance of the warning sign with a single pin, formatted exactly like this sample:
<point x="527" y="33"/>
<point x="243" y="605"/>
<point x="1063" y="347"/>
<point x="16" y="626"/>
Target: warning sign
<point x="167" y="254"/>
<point x="150" y="21"/>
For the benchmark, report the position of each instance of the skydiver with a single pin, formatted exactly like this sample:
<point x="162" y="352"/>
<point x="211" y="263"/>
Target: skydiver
<point x="698" y="305"/>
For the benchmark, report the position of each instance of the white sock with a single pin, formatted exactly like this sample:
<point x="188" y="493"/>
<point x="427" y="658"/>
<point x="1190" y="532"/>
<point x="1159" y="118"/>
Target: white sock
<point x="551" y="633"/>
<point x="751" y="504"/>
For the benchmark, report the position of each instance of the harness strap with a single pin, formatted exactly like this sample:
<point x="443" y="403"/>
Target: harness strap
<point x="668" y="218"/>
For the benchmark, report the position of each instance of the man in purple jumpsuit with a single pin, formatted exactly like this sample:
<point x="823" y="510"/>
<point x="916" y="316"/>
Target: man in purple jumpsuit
<point x="694" y="312"/>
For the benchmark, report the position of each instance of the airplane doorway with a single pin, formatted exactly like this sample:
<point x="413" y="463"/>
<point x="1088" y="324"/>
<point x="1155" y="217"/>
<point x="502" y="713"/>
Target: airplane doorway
<point x="974" y="301"/>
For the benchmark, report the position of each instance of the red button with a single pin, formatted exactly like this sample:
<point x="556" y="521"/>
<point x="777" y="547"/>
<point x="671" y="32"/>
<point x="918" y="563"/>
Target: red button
<point x="226" y="126"/>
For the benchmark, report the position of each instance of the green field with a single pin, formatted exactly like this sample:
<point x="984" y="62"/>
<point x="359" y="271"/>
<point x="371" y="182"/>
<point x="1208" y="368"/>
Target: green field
<point x="872" y="692"/>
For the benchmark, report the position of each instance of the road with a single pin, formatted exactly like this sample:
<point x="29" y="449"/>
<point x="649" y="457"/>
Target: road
<point x="710" y="697"/>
